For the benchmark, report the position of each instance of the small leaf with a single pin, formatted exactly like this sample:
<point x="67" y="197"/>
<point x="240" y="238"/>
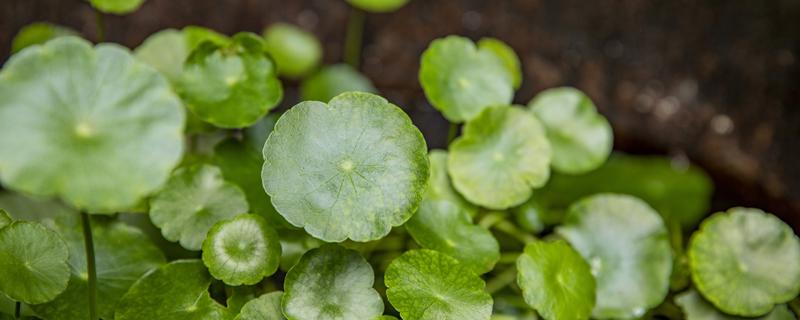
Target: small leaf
<point x="502" y="154"/>
<point x="178" y="289"/>
<point x="166" y="51"/>
<point x="265" y="307"/>
<point x="296" y="51"/>
<point x="294" y="244"/>
<point x="33" y="260"/>
<point x="5" y="219"/>
<point x="119" y="7"/>
<point x="443" y="226"/>
<point x="243" y="250"/>
<point x="192" y="201"/>
<point x="428" y="285"/>
<point x="353" y="168"/>
<point x="378" y="5"/>
<point x="581" y="137"/>
<point x="439" y="185"/>
<point x="696" y="308"/>
<point x="38" y="33"/>
<point x="556" y="281"/>
<point x="745" y="261"/>
<point x="627" y="246"/>
<point x="461" y="80"/>
<point x="334" y="80"/>
<point x="507" y="55"/>
<point x="331" y="282"/>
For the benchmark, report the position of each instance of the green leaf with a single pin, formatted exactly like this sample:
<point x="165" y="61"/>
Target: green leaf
<point x="195" y="36"/>
<point x="38" y="33"/>
<point x="502" y="154"/>
<point x="331" y="81"/>
<point x="117" y="6"/>
<point x="296" y="51"/>
<point x="242" y="250"/>
<point x="556" y="281"/>
<point x="445" y="227"/>
<point x="256" y="135"/>
<point x="265" y="307"/>
<point x="353" y="168"/>
<point x="461" y="80"/>
<point x="178" y="289"/>
<point x="192" y="201"/>
<point x="439" y="185"/>
<point x="627" y="247"/>
<point x="166" y="51"/>
<point x="331" y="282"/>
<point x="91" y="125"/>
<point x="581" y="137"/>
<point x="122" y="255"/>
<point x="696" y="308"/>
<point x="231" y="85"/>
<point x="33" y="260"/>
<point x="745" y="261"/>
<point x="5" y="219"/>
<point x="294" y="244"/>
<point x="378" y="5"/>
<point x="507" y="55"/>
<point x="425" y="284"/>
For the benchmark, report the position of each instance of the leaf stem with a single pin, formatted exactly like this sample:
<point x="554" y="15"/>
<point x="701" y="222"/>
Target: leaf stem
<point x="501" y="280"/>
<point x="354" y="37"/>
<point x="509" y="257"/>
<point x="17" y="310"/>
<point x="451" y="134"/>
<point x="491" y="219"/>
<point x="90" y="264"/>
<point x="512" y="230"/>
<point x="101" y="26"/>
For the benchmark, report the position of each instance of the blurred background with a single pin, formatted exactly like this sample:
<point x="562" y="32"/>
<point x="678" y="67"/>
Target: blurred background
<point x="712" y="82"/>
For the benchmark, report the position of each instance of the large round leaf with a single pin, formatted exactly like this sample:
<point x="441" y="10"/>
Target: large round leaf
<point x="378" y="5"/>
<point x="696" y="308"/>
<point x="296" y="51"/>
<point x="192" y="201"/>
<point x="231" y="85"/>
<point x="93" y="126"/>
<point x="116" y="6"/>
<point x="350" y="169"/>
<point x="122" y="255"/>
<point x="439" y="185"/>
<point x="445" y="227"/>
<point x="265" y="307"/>
<point x="556" y="281"/>
<point x="243" y="250"/>
<point x="581" y="137"/>
<point x="428" y="285"/>
<point x="33" y="262"/>
<point x="331" y="282"/>
<point x="507" y="56"/>
<point x="502" y="155"/>
<point x="627" y="246"/>
<point x="745" y="261"/>
<point x="461" y="80"/>
<point x="332" y="81"/>
<point x="176" y="291"/>
<point x="38" y="33"/>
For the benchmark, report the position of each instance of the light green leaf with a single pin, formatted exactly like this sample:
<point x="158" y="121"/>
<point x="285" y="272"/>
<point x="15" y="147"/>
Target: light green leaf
<point x="192" y="201"/>
<point x="439" y="185"/>
<point x="556" y="281"/>
<point x="745" y="261"/>
<point x="265" y="307"/>
<point x="353" y="168"/>
<point x="627" y="246"/>
<point x="331" y="282"/>
<point x="332" y="81"/>
<point x="33" y="260"/>
<point x="296" y="51"/>
<point x="445" y="227"/>
<point x="428" y="285"/>
<point x="502" y="155"/>
<point x="122" y="255"/>
<point x="581" y="137"/>
<point x="38" y="33"/>
<point x="231" y="85"/>
<point x="178" y="289"/>
<point x="294" y="244"/>
<point x="5" y="219"/>
<point x="195" y="36"/>
<point x="91" y="125"/>
<point x="508" y="57"/>
<point x="461" y="80"/>
<point x="378" y="5"/>
<point x="119" y="7"/>
<point x="242" y="250"/>
<point x="696" y="308"/>
<point x="166" y="51"/>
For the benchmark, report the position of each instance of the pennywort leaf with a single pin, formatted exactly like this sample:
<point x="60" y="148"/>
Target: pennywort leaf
<point x="242" y="250"/>
<point x="116" y="6"/>
<point x="507" y="56"/>
<point x="33" y="262"/>
<point x="296" y="51"/>
<point x="38" y="33"/>
<point x="378" y="5"/>
<point x="5" y="219"/>
<point x="265" y="307"/>
<point x="331" y="81"/>
<point x="439" y="185"/>
<point x="696" y="308"/>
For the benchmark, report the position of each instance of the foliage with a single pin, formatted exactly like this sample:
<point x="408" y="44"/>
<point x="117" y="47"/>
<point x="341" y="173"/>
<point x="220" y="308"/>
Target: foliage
<point x="296" y="52"/>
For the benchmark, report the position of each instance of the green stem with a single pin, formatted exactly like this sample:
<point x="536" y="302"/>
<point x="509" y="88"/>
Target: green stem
<point x="17" y="310"/>
<point x="354" y="37"/>
<point x="501" y="280"/>
<point x="512" y="230"/>
<point x="509" y="257"/>
<point x="101" y="26"/>
<point x="451" y="134"/>
<point x="491" y="219"/>
<point x="90" y="265"/>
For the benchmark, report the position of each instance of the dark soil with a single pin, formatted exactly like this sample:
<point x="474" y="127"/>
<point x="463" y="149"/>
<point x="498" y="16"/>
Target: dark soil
<point x="717" y="82"/>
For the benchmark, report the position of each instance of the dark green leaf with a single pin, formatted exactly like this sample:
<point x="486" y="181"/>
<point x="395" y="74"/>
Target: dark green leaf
<point x="38" y="33"/>
<point x="33" y="262"/>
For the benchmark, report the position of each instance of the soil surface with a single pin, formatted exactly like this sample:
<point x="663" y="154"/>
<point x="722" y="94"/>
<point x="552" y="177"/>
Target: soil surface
<point x="716" y="82"/>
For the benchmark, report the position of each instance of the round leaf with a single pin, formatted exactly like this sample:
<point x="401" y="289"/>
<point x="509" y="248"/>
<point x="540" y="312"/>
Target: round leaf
<point x="378" y="5"/>
<point x="331" y="282"/>
<point x="425" y="284"/>
<point x="350" y="169"/>
<point x="296" y="52"/>
<point x="33" y="262"/>
<point x="581" y="137"/>
<point x="502" y="154"/>
<point x="745" y="261"/>
<point x="192" y="201"/>
<point x="166" y="51"/>
<point x="696" y="308"/>
<point x="461" y="80"/>
<point x="265" y="307"/>
<point x="556" y="281"/>
<point x="627" y="246"/>
<point x="507" y="55"/>
<point x="334" y="80"/>
<point x="439" y="185"/>
<point x="445" y="227"/>
<point x="116" y="6"/>
<point x="178" y="289"/>
<point x="93" y="126"/>
<point x="5" y="219"/>
<point x="243" y="250"/>
<point x="231" y="85"/>
<point x="38" y="33"/>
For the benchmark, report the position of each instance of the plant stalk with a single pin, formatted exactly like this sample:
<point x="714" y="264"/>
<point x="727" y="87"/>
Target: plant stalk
<point x="501" y="280"/>
<point x="101" y="26"/>
<point x="90" y="265"/>
<point x="354" y="37"/>
<point x="17" y="310"/>
<point x="451" y="134"/>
